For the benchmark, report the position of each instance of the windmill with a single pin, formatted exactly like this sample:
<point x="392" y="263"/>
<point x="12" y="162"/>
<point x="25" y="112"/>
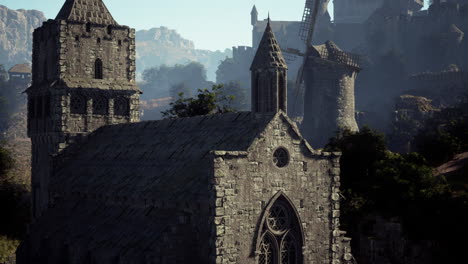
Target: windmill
<point x="306" y="32"/>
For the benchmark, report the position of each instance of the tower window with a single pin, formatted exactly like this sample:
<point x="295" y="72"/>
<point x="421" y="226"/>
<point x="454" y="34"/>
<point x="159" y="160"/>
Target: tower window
<point x="122" y="106"/>
<point x="100" y="105"/>
<point x="77" y="38"/>
<point x="98" y="69"/>
<point x="109" y="30"/>
<point x="39" y="107"/>
<point x="47" y="109"/>
<point x="78" y="104"/>
<point x="88" y="27"/>
<point x="282" y="93"/>
<point x="120" y="42"/>
<point x="98" y="40"/>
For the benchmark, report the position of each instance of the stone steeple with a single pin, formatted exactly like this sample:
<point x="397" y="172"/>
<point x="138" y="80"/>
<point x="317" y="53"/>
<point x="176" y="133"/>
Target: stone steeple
<point x="254" y="16"/>
<point x="269" y="76"/>
<point x="86" y="11"/>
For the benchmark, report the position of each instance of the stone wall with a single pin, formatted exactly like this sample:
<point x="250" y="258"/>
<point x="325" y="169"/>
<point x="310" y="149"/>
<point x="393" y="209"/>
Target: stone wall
<point x="246" y="182"/>
<point x="329" y="101"/>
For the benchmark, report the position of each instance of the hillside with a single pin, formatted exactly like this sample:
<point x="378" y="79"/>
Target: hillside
<point x="158" y="46"/>
<point x="16" y="27"/>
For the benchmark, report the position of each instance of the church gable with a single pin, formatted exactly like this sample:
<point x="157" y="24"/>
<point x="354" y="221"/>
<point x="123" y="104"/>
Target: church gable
<point x="279" y="161"/>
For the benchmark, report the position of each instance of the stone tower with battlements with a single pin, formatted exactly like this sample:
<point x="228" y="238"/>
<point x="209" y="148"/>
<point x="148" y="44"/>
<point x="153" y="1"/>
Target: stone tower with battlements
<point x="269" y="76"/>
<point x="83" y="78"/>
<point x="329" y="103"/>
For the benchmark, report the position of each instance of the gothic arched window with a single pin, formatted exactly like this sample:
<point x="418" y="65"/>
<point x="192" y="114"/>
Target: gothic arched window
<point x="268" y="250"/>
<point x="98" y="69"/>
<point x="282" y="93"/>
<point x="78" y="104"/>
<point x="100" y="105"/>
<point x="281" y="241"/>
<point x="121" y="106"/>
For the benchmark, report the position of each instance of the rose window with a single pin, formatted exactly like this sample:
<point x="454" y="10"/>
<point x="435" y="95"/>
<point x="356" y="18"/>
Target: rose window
<point x="281" y="157"/>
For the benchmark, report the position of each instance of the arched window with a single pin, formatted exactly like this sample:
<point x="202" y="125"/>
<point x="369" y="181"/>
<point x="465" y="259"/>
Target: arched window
<point x="98" y="40"/>
<point x="281" y="235"/>
<point x="88" y="27"/>
<point x="282" y="93"/>
<point x="109" y="29"/>
<point x="100" y="105"/>
<point x="78" y="104"/>
<point x="268" y="250"/>
<point x="98" y="69"/>
<point x="121" y="106"/>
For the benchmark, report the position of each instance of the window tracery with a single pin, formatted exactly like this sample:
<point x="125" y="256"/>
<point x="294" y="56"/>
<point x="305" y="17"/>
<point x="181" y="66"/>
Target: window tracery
<point x="279" y="242"/>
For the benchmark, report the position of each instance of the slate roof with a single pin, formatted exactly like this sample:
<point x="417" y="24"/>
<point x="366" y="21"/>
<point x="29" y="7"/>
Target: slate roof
<point x="163" y="157"/>
<point x="20" y="68"/>
<point x="331" y="52"/>
<point x="269" y="53"/>
<point x="112" y="229"/>
<point x="93" y="11"/>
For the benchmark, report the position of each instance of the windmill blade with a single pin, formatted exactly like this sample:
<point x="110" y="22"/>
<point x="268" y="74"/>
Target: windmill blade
<point x="309" y="20"/>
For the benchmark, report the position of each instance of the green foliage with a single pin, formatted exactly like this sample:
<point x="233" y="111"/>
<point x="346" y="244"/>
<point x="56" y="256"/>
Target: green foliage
<point x="7" y="248"/>
<point x="6" y="164"/>
<point x="14" y="199"/>
<point x="444" y="135"/>
<point x="379" y="181"/>
<point x="207" y="102"/>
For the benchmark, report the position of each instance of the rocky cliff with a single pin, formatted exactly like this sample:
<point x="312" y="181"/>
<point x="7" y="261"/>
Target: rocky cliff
<point x="158" y="46"/>
<point x="16" y="27"/>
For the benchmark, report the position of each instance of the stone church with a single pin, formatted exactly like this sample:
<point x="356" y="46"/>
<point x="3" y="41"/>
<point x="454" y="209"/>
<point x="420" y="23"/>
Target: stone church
<point x="227" y="188"/>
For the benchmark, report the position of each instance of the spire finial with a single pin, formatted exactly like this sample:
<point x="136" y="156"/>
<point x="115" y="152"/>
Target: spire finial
<point x="268" y="17"/>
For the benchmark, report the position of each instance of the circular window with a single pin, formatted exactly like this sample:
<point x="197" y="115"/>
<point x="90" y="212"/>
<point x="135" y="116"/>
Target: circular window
<point x="278" y="219"/>
<point x="281" y="157"/>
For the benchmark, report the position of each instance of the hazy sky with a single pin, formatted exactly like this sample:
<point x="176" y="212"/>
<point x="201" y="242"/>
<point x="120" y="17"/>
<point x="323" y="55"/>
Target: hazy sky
<point x="211" y="24"/>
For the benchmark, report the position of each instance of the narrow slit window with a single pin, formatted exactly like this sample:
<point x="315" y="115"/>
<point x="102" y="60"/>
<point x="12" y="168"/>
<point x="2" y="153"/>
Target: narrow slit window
<point x="98" y="69"/>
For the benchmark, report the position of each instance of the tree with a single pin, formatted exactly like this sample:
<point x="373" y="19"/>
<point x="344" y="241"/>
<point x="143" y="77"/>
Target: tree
<point x="444" y="135"/>
<point x="207" y="102"/>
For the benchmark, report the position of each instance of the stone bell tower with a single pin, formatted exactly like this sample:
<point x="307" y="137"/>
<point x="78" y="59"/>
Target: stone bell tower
<point x="269" y="76"/>
<point x="83" y="78"/>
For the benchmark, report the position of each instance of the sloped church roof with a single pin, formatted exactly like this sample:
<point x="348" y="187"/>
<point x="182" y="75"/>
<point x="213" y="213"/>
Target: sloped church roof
<point x="92" y="11"/>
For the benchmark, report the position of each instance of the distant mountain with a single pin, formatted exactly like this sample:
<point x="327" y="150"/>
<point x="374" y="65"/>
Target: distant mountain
<point x="158" y="46"/>
<point x="16" y="27"/>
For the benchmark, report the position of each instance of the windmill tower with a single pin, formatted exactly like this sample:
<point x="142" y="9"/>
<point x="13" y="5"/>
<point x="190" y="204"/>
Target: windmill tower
<point x="325" y="82"/>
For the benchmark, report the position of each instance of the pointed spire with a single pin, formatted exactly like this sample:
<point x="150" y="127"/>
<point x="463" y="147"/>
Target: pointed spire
<point x="92" y="11"/>
<point x="254" y="10"/>
<point x="253" y="16"/>
<point x="269" y="53"/>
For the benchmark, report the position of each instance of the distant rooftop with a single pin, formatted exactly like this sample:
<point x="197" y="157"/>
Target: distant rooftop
<point x="20" y="68"/>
